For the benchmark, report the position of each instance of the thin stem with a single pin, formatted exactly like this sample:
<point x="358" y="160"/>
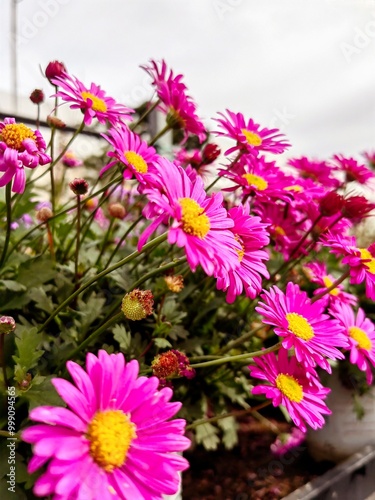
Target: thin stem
<point x="160" y="134"/>
<point x="235" y="413"/>
<point x="8" y="200"/>
<point x="2" y="361"/>
<point x="332" y="287"/>
<point x="52" y="177"/>
<point x="145" y="114"/>
<point x="238" y="357"/>
<point x="50" y="241"/>
<point x="78" y="238"/>
<point x="128" y="231"/>
<point x="156" y="271"/>
<point x="105" y="241"/>
<point x="6" y="434"/>
<point x="228" y="168"/>
<point x="94" y="279"/>
<point x="240" y="340"/>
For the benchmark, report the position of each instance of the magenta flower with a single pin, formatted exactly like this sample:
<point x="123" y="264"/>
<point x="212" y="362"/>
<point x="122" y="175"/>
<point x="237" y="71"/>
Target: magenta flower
<point x="317" y="273"/>
<point x="249" y="136"/>
<point x="179" y="107"/>
<point x="114" y="441"/>
<point x="200" y="223"/>
<point x="361" y="334"/>
<point x="287" y="385"/>
<point x="92" y="101"/>
<point x="135" y="154"/>
<point x="252" y="235"/>
<point x="303" y="326"/>
<point x="287" y="441"/>
<point x="20" y="147"/>
<point x="70" y="160"/>
<point x="353" y="170"/>
<point x="361" y="261"/>
<point x="319" y="171"/>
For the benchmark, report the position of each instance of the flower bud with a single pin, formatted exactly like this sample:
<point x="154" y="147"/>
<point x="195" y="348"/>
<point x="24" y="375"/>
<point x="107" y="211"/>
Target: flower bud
<point x="210" y="153"/>
<point x="137" y="304"/>
<point x="174" y="283"/>
<point x="7" y="324"/>
<point x="116" y="210"/>
<point x="55" y="122"/>
<point x="55" y="69"/>
<point x="165" y="365"/>
<point x="330" y="204"/>
<point x="357" y="207"/>
<point x="79" y="186"/>
<point x="44" y="214"/>
<point x="37" y="96"/>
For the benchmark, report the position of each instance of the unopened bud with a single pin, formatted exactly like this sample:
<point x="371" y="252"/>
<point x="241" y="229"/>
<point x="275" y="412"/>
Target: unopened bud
<point x="37" y="96"/>
<point x="174" y="283"/>
<point x="137" y="304"/>
<point x="165" y="365"/>
<point x="357" y="207"/>
<point x="79" y="186"/>
<point x="331" y="203"/>
<point x="55" y="69"/>
<point x="7" y="324"/>
<point x="117" y="210"/>
<point x="210" y="153"/>
<point x="44" y="214"/>
<point x="55" y="122"/>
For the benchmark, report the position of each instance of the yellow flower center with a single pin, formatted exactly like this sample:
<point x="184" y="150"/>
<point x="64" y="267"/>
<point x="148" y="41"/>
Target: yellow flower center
<point x="14" y="134"/>
<point x="298" y="325"/>
<point x="296" y="188"/>
<point x="110" y="434"/>
<point x="366" y="255"/>
<point x="252" y="138"/>
<point x="242" y="251"/>
<point x="136" y="161"/>
<point x="328" y="282"/>
<point x="194" y="220"/>
<point x="360" y="337"/>
<point x="279" y="231"/>
<point x="289" y="386"/>
<point x="256" y="181"/>
<point x="97" y="103"/>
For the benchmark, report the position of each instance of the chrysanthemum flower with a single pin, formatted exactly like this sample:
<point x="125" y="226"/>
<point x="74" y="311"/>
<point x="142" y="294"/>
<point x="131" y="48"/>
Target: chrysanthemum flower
<point x="353" y="170"/>
<point x="114" y="441"/>
<point x="179" y="107"/>
<point x="302" y="325"/>
<point x="135" y="154"/>
<point x="250" y="137"/>
<point x="361" y="334"/>
<point x="92" y="101"/>
<point x="287" y="386"/>
<point x="70" y="160"/>
<point x="317" y="273"/>
<point x="252" y="235"/>
<point x="319" y="171"/>
<point x="200" y="223"/>
<point x="287" y="441"/>
<point x="20" y="147"/>
<point x="258" y="177"/>
<point x="360" y="260"/>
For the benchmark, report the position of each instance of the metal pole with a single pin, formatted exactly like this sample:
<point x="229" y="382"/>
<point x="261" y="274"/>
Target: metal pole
<point x="13" y="53"/>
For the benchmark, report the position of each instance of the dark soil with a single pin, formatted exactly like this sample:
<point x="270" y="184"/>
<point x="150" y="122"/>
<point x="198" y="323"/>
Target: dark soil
<point x="250" y="471"/>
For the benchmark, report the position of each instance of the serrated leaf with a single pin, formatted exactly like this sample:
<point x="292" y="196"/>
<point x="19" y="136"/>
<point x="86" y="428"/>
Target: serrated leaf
<point x="35" y="272"/>
<point x="14" y="286"/>
<point x="229" y="427"/>
<point x="43" y="394"/>
<point x="42" y="301"/>
<point x="28" y="342"/>
<point x="178" y="331"/>
<point x="162" y="343"/>
<point x="206" y="434"/>
<point x="122" y="337"/>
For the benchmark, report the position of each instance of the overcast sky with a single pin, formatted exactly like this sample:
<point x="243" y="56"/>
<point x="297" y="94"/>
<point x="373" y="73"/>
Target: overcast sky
<point x="306" y="67"/>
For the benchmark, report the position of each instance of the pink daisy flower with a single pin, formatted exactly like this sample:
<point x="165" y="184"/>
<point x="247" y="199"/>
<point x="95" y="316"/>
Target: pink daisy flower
<point x="319" y="171"/>
<point x="249" y="136"/>
<point x="251" y="234"/>
<point x="70" y="160"/>
<point x="302" y="325"/>
<point x="20" y="147"/>
<point x="287" y="441"/>
<point x="353" y="170"/>
<point x="257" y="177"/>
<point x="288" y="386"/>
<point x="361" y="261"/>
<point x="361" y="334"/>
<point x="317" y="273"/>
<point x="179" y="107"/>
<point x="200" y="223"/>
<point x="92" y="101"/>
<point x="138" y="157"/>
<point x="114" y="441"/>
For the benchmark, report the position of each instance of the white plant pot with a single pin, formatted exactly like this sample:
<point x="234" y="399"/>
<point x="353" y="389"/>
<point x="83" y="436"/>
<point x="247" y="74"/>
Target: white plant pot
<point x="343" y="434"/>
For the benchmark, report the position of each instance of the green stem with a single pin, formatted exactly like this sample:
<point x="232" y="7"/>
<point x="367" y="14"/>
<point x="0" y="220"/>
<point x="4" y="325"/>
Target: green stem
<point x="228" y="168"/>
<point x="157" y="271"/>
<point x="8" y="200"/>
<point x="238" y="357"/>
<point x="105" y="241"/>
<point x="94" y="279"/>
<point x="332" y="287"/>
<point x="128" y="231"/>
<point x="160" y="134"/>
<point x="76" y="259"/>
<point x="145" y="114"/>
<point x="53" y="190"/>
<point x="240" y="340"/>
<point x="2" y="361"/>
<point x="6" y="434"/>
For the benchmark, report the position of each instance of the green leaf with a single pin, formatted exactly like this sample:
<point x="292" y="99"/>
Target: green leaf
<point x="162" y="343"/>
<point x="43" y="394"/>
<point x="42" y="301"/>
<point x="229" y="427"/>
<point x="27" y="342"/>
<point x="206" y="434"/>
<point x="36" y="272"/>
<point x="12" y="285"/>
<point x="123" y="337"/>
